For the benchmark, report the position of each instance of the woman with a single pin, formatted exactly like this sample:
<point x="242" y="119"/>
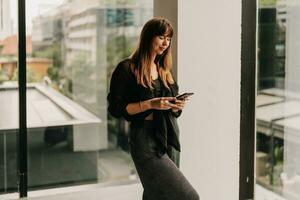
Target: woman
<point x="142" y="90"/>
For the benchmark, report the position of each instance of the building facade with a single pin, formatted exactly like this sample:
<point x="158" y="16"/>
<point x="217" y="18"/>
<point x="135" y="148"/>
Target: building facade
<point x="5" y="19"/>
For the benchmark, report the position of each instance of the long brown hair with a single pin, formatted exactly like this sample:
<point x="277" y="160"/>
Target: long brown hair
<point x="141" y="57"/>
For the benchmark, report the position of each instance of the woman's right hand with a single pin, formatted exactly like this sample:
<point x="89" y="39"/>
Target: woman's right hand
<point x="162" y="103"/>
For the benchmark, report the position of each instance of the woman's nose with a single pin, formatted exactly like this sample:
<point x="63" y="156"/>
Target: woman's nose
<point x="165" y="42"/>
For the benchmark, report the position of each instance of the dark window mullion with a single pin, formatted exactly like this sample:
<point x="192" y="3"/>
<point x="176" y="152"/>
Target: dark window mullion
<point x="248" y="90"/>
<point x="22" y="136"/>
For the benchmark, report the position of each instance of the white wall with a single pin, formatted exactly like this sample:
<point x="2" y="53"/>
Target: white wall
<point x="209" y="48"/>
<point x="168" y="9"/>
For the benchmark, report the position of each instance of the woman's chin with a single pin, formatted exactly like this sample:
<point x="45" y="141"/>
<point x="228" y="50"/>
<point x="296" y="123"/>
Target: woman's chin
<point x="160" y="52"/>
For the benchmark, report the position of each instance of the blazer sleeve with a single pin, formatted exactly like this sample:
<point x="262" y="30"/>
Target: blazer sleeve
<point x="118" y="98"/>
<point x="118" y="90"/>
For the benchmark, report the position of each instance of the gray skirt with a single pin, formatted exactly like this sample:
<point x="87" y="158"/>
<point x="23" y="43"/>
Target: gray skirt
<point x="160" y="177"/>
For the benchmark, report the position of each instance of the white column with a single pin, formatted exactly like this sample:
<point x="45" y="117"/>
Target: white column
<point x="209" y="48"/>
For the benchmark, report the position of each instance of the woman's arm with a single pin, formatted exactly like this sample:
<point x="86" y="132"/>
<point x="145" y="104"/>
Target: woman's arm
<point x="161" y="103"/>
<point x="118" y="105"/>
<point x="138" y="107"/>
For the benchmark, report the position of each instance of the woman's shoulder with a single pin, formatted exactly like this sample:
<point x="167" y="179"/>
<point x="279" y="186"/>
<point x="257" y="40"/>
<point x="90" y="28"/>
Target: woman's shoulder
<point x="124" y="66"/>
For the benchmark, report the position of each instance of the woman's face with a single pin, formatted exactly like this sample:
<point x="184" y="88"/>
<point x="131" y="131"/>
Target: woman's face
<point x="160" y="44"/>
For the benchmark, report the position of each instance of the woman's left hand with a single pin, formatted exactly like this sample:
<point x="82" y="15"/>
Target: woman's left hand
<point x="180" y="104"/>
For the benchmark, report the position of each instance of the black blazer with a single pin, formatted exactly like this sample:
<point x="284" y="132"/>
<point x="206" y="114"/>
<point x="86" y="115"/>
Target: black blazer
<point x="124" y="90"/>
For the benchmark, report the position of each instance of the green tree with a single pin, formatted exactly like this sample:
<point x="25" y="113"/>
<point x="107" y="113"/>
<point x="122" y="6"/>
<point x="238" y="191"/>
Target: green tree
<point x="118" y="48"/>
<point x="54" y="53"/>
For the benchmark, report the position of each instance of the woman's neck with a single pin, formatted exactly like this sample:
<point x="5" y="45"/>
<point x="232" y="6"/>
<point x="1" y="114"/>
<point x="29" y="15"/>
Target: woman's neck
<point x="154" y="71"/>
<point x="153" y="56"/>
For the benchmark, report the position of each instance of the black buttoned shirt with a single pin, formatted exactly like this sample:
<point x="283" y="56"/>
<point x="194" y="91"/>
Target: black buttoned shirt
<point x="124" y="89"/>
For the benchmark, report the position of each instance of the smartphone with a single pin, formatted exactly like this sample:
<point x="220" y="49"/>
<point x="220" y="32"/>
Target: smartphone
<point x="184" y="95"/>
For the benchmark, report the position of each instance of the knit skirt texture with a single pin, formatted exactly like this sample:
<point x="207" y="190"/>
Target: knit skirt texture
<point x="160" y="177"/>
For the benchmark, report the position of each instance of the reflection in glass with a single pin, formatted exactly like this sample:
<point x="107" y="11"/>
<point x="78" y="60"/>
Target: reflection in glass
<point x="278" y="100"/>
<point x="9" y="124"/>
<point x="75" y="46"/>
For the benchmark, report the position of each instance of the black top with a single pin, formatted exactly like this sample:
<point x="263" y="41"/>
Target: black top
<point x="124" y="89"/>
<point x="157" y="87"/>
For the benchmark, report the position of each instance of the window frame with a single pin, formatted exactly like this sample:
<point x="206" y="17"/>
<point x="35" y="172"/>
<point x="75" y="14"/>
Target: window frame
<point x="22" y="166"/>
<point x="248" y="97"/>
<point x="247" y="109"/>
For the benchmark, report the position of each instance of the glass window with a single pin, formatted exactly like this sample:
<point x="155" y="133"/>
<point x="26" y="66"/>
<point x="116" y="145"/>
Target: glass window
<point x="9" y="98"/>
<point x="278" y="100"/>
<point x="72" y="48"/>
